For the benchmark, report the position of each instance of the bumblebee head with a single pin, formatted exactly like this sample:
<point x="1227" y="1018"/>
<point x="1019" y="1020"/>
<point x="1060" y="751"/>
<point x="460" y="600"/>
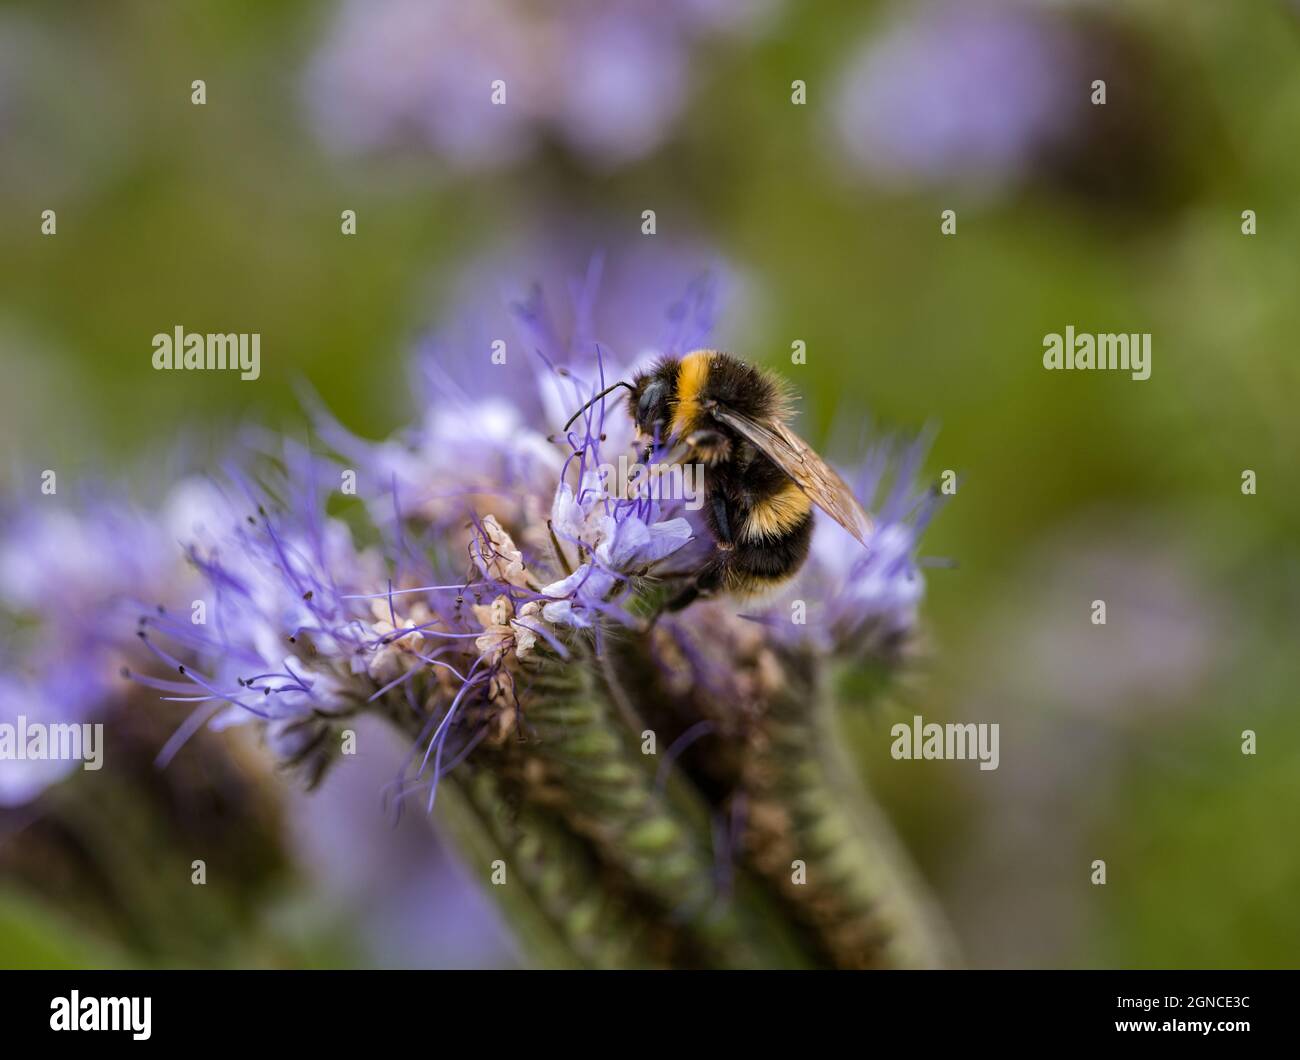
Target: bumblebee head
<point x="651" y="400"/>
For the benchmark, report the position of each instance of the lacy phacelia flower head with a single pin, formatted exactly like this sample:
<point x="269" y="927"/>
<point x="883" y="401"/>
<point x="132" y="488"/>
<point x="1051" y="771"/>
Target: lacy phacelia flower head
<point x="622" y="538"/>
<point x="276" y="638"/>
<point x="481" y="567"/>
<point x="476" y="562"/>
<point x="498" y="379"/>
<point x="482" y="84"/>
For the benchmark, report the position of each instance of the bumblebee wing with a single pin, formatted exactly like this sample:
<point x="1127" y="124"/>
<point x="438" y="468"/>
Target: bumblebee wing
<point x="810" y="472"/>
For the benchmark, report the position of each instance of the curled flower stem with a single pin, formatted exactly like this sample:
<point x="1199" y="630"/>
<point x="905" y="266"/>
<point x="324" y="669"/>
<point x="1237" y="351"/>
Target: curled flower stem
<point x="586" y="759"/>
<point x="857" y="892"/>
<point x="551" y="892"/>
<point x="575" y="893"/>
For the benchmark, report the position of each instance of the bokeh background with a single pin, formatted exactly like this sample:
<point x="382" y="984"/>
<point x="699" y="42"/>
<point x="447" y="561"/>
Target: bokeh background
<point x="1120" y="742"/>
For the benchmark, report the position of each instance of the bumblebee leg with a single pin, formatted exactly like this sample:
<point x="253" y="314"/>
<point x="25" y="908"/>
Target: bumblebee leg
<point x="710" y="579"/>
<point x="711" y="447"/>
<point x="704" y="584"/>
<point x="683" y="599"/>
<point x="721" y="526"/>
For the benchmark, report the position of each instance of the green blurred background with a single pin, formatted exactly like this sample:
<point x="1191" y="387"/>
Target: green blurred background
<point x="1120" y="742"/>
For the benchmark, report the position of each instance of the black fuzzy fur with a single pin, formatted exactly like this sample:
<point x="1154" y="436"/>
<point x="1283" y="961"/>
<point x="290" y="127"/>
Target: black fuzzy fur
<point x="744" y="479"/>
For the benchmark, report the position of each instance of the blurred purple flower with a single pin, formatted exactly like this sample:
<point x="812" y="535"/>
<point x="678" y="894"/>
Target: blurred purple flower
<point x="607" y="78"/>
<point x="406" y="898"/>
<point x="632" y="81"/>
<point x="860" y="601"/>
<point x="72" y="579"/>
<point x="1117" y="700"/>
<point x="392" y="71"/>
<point x="968" y="94"/>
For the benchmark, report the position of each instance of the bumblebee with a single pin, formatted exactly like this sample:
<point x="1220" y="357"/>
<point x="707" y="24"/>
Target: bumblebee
<point x="761" y="480"/>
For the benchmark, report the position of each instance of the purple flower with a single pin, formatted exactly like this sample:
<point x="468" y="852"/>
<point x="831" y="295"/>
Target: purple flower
<point x="622" y="535"/>
<point x="281" y="639"/>
<point x="608" y="79"/>
<point x="72" y="580"/>
<point x="972" y="94"/>
<point x="23" y="696"/>
<point x="858" y="601"/>
<point x="631" y="80"/>
<point x="497" y="537"/>
<point x="395" y="71"/>
<point x="528" y="332"/>
<point x="502" y="537"/>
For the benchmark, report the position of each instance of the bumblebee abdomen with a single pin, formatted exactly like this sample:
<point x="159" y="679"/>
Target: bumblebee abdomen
<point x="783" y="511"/>
<point x="755" y="565"/>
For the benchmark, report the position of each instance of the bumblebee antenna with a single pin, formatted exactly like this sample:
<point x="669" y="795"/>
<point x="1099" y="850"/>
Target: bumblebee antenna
<point x="594" y="400"/>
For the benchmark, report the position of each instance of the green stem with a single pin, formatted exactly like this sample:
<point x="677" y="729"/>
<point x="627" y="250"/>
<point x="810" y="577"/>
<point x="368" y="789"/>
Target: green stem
<point x="550" y="891"/>
<point x="606" y="790"/>
<point x="857" y="890"/>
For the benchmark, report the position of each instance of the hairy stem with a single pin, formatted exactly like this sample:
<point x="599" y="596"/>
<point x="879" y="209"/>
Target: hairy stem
<point x="818" y="837"/>
<point x="550" y="892"/>
<point x="587" y="760"/>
